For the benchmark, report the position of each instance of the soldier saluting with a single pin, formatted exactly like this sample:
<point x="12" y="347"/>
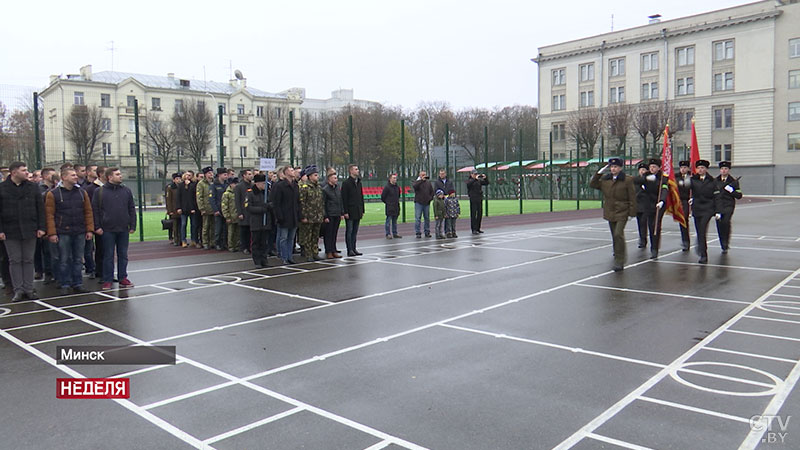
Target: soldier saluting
<point x="703" y="200"/>
<point x="620" y="203"/>
<point x="729" y="192"/>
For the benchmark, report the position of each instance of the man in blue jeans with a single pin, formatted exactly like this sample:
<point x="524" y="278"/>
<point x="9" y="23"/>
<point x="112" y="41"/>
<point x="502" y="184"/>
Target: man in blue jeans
<point x="423" y="195"/>
<point x="114" y="220"/>
<point x="70" y="224"/>
<point x="353" y="203"/>
<point x="285" y="199"/>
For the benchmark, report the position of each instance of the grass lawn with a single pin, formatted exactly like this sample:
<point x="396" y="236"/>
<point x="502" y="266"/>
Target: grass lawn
<point x="374" y="213"/>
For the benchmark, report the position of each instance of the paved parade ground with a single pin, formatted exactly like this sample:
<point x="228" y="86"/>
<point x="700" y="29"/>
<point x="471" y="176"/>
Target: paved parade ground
<point x="520" y="338"/>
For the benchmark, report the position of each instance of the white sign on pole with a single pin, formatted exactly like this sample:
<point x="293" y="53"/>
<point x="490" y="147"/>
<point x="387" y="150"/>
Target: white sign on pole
<point x="267" y="164"/>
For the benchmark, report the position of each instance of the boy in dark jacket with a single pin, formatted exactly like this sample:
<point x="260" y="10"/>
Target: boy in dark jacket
<point x="391" y="198"/>
<point x="114" y="220"/>
<point x="438" y="213"/>
<point x="333" y="210"/>
<point x="451" y="212"/>
<point x="256" y="205"/>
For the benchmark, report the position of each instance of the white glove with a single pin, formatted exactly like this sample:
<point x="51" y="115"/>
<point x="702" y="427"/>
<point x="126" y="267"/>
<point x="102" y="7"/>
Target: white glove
<point x="603" y="169"/>
<point x="718" y="216"/>
<point x="659" y="205"/>
<point x="729" y="188"/>
<point x="651" y="177"/>
<point x="691" y="200"/>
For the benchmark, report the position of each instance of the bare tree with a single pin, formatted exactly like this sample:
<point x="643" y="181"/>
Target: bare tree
<point x="6" y="155"/>
<point x="469" y="131"/>
<point x="662" y="113"/>
<point x="619" y="117"/>
<point x="194" y="129"/>
<point x="272" y="132"/>
<point x="84" y="128"/>
<point x="162" y="139"/>
<point x="585" y="126"/>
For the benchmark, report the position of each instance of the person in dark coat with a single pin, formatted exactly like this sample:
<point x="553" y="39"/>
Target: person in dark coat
<point x="171" y="201"/>
<point x="333" y="211"/>
<point x="256" y="207"/>
<point x="641" y="205"/>
<point x="684" y="181"/>
<point x="285" y="199"/>
<point x="217" y="189"/>
<point x="114" y="219"/>
<point x="22" y="222"/>
<point x="475" y="184"/>
<point x="655" y="186"/>
<point x="391" y="199"/>
<point x="703" y="201"/>
<point x="729" y="192"/>
<point x="443" y="183"/>
<point x="619" y="194"/>
<point x="245" y="184"/>
<point x="186" y="200"/>
<point x="353" y="201"/>
<point x="423" y="195"/>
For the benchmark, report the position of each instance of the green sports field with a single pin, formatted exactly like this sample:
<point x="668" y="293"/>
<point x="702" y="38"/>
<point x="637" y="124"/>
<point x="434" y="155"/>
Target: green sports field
<point x="374" y="213"/>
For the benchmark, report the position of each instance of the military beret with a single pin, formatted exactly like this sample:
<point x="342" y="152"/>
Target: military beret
<point x="724" y="164"/>
<point x="615" y="162"/>
<point x="259" y="178"/>
<point x="655" y="161"/>
<point x="684" y="164"/>
<point x="207" y="169"/>
<point x="702" y="162"/>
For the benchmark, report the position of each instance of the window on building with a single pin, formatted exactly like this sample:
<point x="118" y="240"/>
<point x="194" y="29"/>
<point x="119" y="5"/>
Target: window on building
<point x="559" y="102"/>
<point x="224" y="129"/>
<point x="794" y="79"/>
<point x="259" y="111"/>
<point x="106" y="149"/>
<point x="723" y="50"/>
<point x="105" y="100"/>
<point x="723" y="118"/>
<point x="131" y="101"/>
<point x="559" y="132"/>
<point x="683" y="120"/>
<point x="559" y="77"/>
<point x="221" y="105"/>
<point x="723" y="81"/>
<point x="794" y="142"/>
<point x="650" y="90"/>
<point x="794" y="48"/>
<point x="616" y="94"/>
<point x="587" y="99"/>
<point x="133" y="148"/>
<point x="155" y="103"/>
<point x="685" y="86"/>
<point x="179" y="105"/>
<point x="240" y="109"/>
<point x="649" y="62"/>
<point x="201" y="104"/>
<point x="278" y="132"/>
<point x="242" y="130"/>
<point x="260" y="131"/>
<point x="723" y="152"/>
<point x="105" y="125"/>
<point x="243" y="151"/>
<point x="277" y="113"/>
<point x="78" y="98"/>
<point x="131" y="126"/>
<point x="685" y="56"/>
<point x="794" y="111"/>
<point x="587" y="72"/>
<point x="616" y="67"/>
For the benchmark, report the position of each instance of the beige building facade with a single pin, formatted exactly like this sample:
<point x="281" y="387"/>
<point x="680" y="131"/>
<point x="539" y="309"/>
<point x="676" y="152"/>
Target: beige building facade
<point x="114" y="93"/>
<point x="735" y="71"/>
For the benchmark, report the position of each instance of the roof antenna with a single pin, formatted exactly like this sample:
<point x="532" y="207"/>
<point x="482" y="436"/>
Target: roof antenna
<point x="612" y="22"/>
<point x="112" y="55"/>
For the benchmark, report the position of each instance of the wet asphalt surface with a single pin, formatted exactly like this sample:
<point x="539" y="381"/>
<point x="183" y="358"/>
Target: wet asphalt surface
<point x="520" y="338"/>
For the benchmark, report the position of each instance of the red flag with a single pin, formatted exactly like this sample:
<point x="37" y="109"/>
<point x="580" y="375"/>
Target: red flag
<point x="695" y="156"/>
<point x="673" y="204"/>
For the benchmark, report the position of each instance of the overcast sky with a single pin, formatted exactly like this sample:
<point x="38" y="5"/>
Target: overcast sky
<point x="465" y="52"/>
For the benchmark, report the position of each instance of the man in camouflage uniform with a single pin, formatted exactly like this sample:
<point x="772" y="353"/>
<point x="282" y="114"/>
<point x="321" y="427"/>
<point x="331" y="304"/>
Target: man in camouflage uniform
<point x="231" y="215"/>
<point x="217" y="189"/>
<point x="204" y="195"/>
<point x="311" y="213"/>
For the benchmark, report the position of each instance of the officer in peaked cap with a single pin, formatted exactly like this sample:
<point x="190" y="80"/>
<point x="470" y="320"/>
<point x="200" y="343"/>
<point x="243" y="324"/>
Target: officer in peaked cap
<point x="655" y="187"/>
<point x="703" y="199"/>
<point x="729" y="192"/>
<point x="620" y="203"/>
<point x="641" y="200"/>
<point x="684" y="181"/>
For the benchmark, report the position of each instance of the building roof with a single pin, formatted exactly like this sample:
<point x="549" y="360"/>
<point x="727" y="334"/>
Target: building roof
<point x="166" y="82"/>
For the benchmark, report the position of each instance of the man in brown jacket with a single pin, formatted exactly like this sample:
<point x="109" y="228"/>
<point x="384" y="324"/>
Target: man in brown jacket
<point x="619" y="196"/>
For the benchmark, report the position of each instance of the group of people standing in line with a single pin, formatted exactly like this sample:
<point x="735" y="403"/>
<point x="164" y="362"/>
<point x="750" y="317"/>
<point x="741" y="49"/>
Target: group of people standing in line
<point x="55" y="224"/>
<point x="644" y="196"/>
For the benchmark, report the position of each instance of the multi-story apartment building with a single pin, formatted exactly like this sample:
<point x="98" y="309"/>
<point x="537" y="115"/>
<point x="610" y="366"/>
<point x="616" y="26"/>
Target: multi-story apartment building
<point x="340" y="99"/>
<point x="244" y="110"/>
<point x="736" y="71"/>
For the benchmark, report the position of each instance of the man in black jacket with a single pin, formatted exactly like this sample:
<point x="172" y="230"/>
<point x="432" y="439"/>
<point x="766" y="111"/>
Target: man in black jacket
<point x="21" y="224"/>
<point x="655" y="186"/>
<point x="353" y="201"/>
<point x="703" y="201"/>
<point x="391" y="198"/>
<point x="475" y="184"/>
<point x="245" y="184"/>
<point x="333" y="210"/>
<point x="443" y="183"/>
<point x="285" y="199"/>
<point x="684" y="180"/>
<point x="423" y="195"/>
<point x="256" y="207"/>
<point x="114" y="220"/>
<point x="641" y="205"/>
<point x="729" y="192"/>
